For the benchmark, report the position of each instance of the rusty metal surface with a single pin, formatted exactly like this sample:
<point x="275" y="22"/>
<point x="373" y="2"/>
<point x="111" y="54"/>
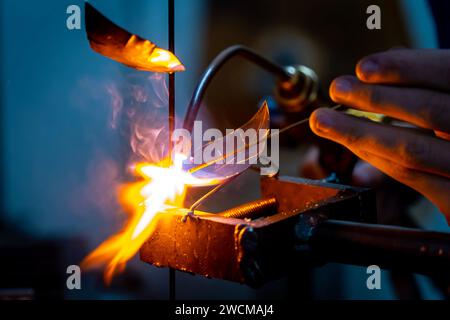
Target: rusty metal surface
<point x="243" y="250"/>
<point x="206" y="244"/>
<point x="333" y="199"/>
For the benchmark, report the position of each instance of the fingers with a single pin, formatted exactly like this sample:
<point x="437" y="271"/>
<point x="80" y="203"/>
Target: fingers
<point x="435" y="188"/>
<point x="443" y="135"/>
<point x="424" y="68"/>
<point x="422" y="107"/>
<point x="403" y="146"/>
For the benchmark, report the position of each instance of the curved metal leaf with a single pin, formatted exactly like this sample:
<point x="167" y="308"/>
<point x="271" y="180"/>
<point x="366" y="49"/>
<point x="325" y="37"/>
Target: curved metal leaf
<point x="236" y="151"/>
<point x="114" y="42"/>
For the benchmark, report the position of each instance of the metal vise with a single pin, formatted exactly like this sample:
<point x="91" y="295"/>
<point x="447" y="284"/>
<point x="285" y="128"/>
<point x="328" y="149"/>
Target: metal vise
<point x="296" y="221"/>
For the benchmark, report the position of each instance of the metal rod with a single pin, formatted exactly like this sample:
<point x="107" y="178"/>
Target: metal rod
<point x="197" y="203"/>
<point x="216" y="65"/>
<point x="252" y="210"/>
<point x="295" y="124"/>
<point x="387" y="246"/>
<point x="171" y="78"/>
<point x="270" y="135"/>
<point x="171" y="31"/>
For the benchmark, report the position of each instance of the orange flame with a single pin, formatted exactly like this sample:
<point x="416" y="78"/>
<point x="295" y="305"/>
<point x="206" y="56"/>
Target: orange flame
<point x="161" y="187"/>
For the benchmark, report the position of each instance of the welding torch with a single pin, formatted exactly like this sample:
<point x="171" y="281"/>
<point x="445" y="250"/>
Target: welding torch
<point x="295" y="86"/>
<point x="297" y="94"/>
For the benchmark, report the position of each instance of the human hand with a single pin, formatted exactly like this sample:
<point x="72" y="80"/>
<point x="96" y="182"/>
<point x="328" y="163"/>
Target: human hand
<point x="409" y="85"/>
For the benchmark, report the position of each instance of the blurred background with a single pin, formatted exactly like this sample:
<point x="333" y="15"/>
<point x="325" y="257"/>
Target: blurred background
<point x="62" y="160"/>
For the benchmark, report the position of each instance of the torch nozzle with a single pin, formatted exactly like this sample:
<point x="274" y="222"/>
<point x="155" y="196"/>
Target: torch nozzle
<point x="299" y="90"/>
<point x="283" y="75"/>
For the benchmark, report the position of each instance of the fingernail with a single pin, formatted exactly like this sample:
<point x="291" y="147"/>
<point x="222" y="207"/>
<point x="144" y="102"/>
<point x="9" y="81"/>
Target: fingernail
<point x="369" y="67"/>
<point x="323" y="121"/>
<point x="341" y="87"/>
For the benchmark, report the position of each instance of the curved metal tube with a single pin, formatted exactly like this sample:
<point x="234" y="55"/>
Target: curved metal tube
<point x="214" y="67"/>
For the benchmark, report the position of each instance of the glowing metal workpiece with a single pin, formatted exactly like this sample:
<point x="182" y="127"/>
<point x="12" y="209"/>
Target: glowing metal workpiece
<point x="114" y="42"/>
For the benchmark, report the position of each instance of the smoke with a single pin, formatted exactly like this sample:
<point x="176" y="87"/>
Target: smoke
<point x="139" y="112"/>
<point x="125" y="122"/>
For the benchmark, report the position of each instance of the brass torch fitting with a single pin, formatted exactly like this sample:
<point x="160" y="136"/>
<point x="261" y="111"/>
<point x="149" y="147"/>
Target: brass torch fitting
<point x="300" y="90"/>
